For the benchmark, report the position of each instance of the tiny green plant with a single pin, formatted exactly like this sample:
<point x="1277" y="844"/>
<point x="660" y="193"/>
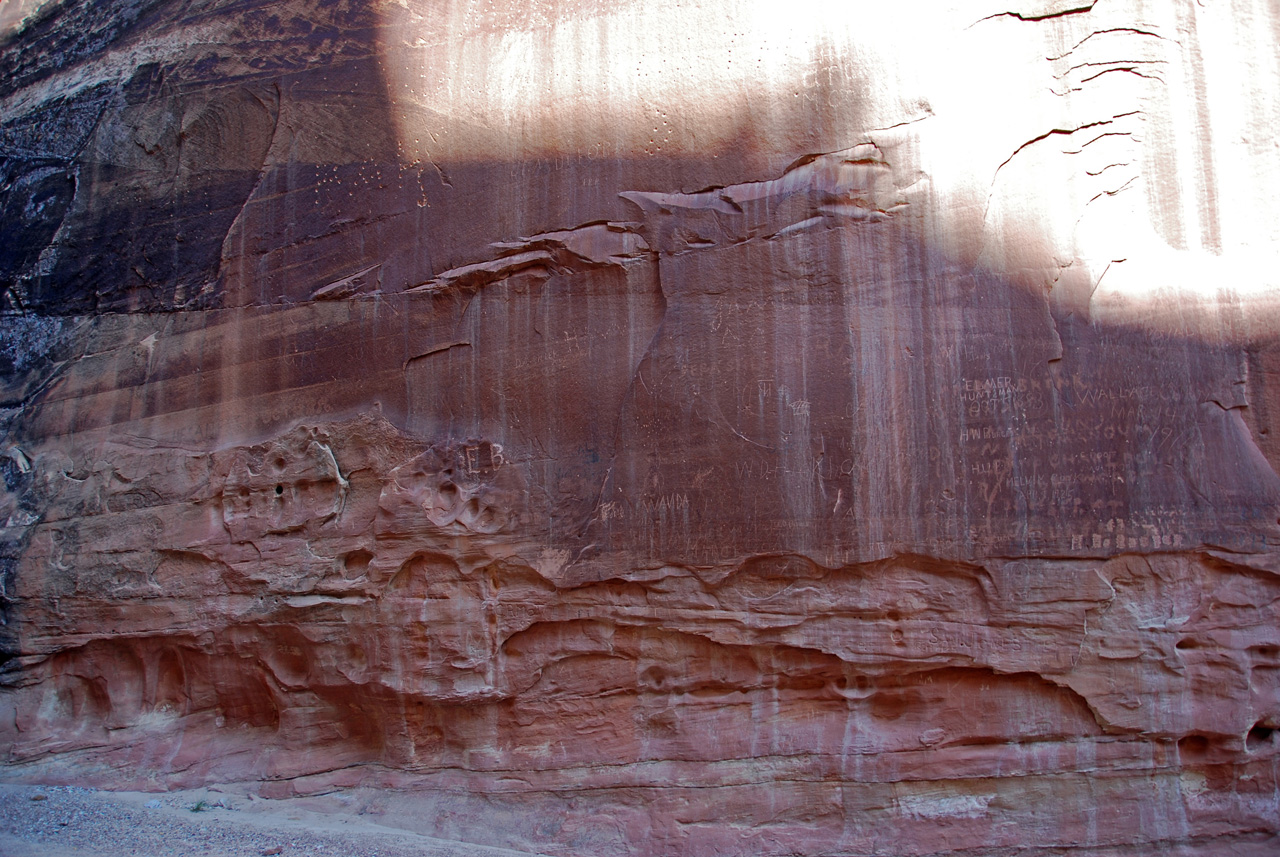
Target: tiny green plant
<point x="200" y="806"/>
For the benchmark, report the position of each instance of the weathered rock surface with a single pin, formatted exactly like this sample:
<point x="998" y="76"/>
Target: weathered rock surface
<point x="640" y="428"/>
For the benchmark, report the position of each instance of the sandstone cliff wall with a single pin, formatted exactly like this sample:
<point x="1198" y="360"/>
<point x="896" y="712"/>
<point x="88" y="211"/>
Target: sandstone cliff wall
<point x="637" y="428"/>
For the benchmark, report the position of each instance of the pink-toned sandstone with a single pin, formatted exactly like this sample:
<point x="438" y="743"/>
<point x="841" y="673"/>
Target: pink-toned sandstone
<point x="651" y="428"/>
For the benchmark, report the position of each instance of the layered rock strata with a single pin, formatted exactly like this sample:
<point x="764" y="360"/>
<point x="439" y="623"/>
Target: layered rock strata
<point x="646" y="429"/>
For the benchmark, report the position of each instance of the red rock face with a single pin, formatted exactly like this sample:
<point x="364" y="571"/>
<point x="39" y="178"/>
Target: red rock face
<point x="604" y="448"/>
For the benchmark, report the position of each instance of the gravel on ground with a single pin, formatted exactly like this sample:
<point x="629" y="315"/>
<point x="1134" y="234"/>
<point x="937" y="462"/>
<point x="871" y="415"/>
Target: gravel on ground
<point x="68" y="821"/>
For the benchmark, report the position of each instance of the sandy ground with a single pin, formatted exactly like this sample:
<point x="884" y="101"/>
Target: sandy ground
<point x="65" y="821"/>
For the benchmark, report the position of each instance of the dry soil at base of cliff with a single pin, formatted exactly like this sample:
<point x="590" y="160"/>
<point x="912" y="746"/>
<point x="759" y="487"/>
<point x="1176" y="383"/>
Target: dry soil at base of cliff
<point x="65" y="821"/>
